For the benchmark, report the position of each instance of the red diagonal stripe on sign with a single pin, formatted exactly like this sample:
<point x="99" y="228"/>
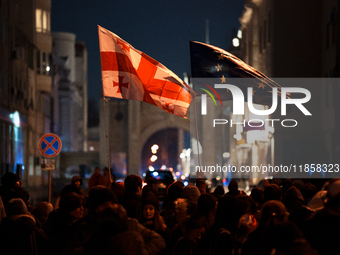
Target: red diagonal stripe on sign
<point x="49" y="145"/>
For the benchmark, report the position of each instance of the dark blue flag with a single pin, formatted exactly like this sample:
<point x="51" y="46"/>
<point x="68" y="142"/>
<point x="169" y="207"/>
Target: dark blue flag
<point x="208" y="61"/>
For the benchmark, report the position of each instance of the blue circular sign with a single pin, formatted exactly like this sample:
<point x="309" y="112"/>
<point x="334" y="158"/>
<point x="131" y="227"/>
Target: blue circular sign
<point x="50" y="145"/>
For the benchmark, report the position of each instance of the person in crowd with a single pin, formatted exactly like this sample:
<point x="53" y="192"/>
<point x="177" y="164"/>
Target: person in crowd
<point x="77" y="181"/>
<point x="132" y="201"/>
<point x="150" y="217"/>
<point x="322" y="230"/>
<point x="96" y="178"/>
<point x="110" y="222"/>
<point x="69" y="188"/>
<point x="219" y="192"/>
<point x="261" y="240"/>
<point x="192" y="232"/>
<point x="61" y="223"/>
<point x="221" y="238"/>
<point x="272" y="192"/>
<point x="151" y="186"/>
<point x="257" y="195"/>
<point x="40" y="213"/>
<point x="206" y="207"/>
<point x="17" y="230"/>
<point x="12" y="188"/>
<point x="191" y="195"/>
<point x="295" y="205"/>
<point x="288" y="239"/>
<point x="101" y="199"/>
<point x="233" y="189"/>
<point x="2" y="209"/>
<point x="174" y="191"/>
<point x="119" y="189"/>
<point x="308" y="191"/>
<point x="249" y="221"/>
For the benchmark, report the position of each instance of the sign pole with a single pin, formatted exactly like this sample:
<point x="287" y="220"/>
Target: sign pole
<point x="50" y="146"/>
<point x="49" y="185"/>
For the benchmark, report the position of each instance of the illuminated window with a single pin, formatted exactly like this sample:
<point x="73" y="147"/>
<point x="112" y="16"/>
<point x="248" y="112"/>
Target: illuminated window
<point x="43" y="63"/>
<point x="42" y="21"/>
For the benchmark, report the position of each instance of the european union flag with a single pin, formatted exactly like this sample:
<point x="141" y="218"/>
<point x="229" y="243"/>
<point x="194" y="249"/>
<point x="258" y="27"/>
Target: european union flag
<point x="208" y="61"/>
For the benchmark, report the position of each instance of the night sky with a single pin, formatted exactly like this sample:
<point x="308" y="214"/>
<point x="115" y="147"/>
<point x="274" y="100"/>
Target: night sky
<point x="161" y="29"/>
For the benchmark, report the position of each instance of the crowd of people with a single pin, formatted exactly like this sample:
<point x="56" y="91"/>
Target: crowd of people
<point x="285" y="216"/>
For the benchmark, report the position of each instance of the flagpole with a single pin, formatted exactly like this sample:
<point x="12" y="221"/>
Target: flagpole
<point x="198" y="148"/>
<point x="104" y="99"/>
<point x="107" y="140"/>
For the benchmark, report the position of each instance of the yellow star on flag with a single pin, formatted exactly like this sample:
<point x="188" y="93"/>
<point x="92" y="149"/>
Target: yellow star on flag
<point x="254" y="92"/>
<point x="261" y="85"/>
<point x="218" y="67"/>
<point x="220" y="56"/>
<point x="223" y="79"/>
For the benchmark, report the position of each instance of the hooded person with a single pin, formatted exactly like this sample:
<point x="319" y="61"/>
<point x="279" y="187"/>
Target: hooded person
<point x="40" y="213"/>
<point x="61" y="222"/>
<point x="150" y="217"/>
<point x="12" y="188"/>
<point x="321" y="230"/>
<point x="191" y="195"/>
<point x="261" y="240"/>
<point x="295" y="204"/>
<point x="16" y="230"/>
<point x="169" y="212"/>
<point x="77" y="181"/>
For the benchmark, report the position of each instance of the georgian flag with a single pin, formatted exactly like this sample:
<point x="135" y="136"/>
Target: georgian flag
<point x="130" y="74"/>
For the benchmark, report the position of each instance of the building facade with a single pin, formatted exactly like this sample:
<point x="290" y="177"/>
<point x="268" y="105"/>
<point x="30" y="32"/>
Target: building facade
<point x="298" y="39"/>
<point x="70" y="58"/>
<point x="27" y="93"/>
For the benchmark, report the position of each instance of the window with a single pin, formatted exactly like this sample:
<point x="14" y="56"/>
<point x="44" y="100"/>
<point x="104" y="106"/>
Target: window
<point x="42" y="21"/>
<point x="43" y="63"/>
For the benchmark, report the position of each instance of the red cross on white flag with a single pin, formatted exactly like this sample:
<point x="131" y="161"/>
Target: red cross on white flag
<point x="130" y="74"/>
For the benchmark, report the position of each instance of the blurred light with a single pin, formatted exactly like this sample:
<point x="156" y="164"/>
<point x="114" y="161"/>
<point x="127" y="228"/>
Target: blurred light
<point x="48" y="68"/>
<point x="218" y="178"/>
<point x="154" y="148"/>
<point x="144" y="174"/>
<point x="178" y="173"/>
<point x="239" y="34"/>
<point x="182" y="155"/>
<point x="224" y="180"/>
<point x="91" y="148"/>
<point x="171" y="169"/>
<point x="144" y="184"/>
<point x="226" y="155"/>
<point x="163" y="167"/>
<point x="155" y="174"/>
<point x="186" y="175"/>
<point x="153" y="158"/>
<point x="187" y="152"/>
<point x="23" y="167"/>
<point x="236" y="42"/>
<point x="183" y="177"/>
<point x="151" y="168"/>
<point x="15" y="117"/>
<point x="185" y="183"/>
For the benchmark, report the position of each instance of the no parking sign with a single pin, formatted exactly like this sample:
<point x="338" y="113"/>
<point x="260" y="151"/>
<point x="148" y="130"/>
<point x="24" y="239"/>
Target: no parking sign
<point x="50" y="145"/>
